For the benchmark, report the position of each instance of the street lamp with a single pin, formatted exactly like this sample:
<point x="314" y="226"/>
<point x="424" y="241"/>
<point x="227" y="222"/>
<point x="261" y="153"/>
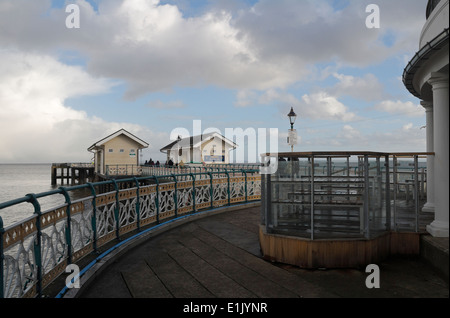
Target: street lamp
<point x="292" y="134"/>
<point x="178" y="149"/>
<point x="292" y="117"/>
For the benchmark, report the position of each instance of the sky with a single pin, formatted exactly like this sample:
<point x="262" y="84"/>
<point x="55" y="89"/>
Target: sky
<point x="159" y="68"/>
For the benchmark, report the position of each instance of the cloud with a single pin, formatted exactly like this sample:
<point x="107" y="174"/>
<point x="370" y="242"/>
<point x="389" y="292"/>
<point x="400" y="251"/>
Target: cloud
<point x="263" y="51"/>
<point x="400" y="107"/>
<point x="366" y="88"/>
<point x="153" y="46"/>
<point x="408" y="138"/>
<point x="318" y="105"/>
<point x="166" y="105"/>
<point x="321" y="105"/>
<point x="35" y="123"/>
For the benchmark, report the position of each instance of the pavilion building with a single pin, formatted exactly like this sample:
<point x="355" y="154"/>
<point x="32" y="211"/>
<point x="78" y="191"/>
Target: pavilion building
<point x="426" y="77"/>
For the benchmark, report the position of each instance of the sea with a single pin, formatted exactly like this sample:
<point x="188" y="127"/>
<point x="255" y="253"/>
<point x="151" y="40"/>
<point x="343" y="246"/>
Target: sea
<point x="18" y="180"/>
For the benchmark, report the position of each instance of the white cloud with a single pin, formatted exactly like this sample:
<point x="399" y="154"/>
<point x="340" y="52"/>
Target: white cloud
<point x="318" y="105"/>
<point x="154" y="47"/>
<point x="322" y="106"/>
<point x="400" y="107"/>
<point x="166" y="105"/>
<point x="35" y="123"/>
<point x="261" y="51"/>
<point x="366" y="88"/>
<point x="408" y="138"/>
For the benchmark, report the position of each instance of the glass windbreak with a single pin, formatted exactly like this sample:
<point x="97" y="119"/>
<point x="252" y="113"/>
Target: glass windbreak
<point x="323" y="197"/>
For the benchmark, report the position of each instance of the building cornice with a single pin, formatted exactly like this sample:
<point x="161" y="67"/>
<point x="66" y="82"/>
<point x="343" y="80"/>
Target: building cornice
<point x="421" y="57"/>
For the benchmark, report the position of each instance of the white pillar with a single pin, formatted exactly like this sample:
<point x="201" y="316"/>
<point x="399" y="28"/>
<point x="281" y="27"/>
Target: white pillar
<point x="429" y="206"/>
<point x="440" y="227"/>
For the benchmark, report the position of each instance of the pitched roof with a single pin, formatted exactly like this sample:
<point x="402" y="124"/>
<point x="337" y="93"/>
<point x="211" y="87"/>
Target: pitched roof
<point x="118" y="133"/>
<point x="196" y="141"/>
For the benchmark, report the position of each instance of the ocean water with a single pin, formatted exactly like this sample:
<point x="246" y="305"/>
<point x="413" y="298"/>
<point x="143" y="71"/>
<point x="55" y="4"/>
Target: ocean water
<point x="17" y="180"/>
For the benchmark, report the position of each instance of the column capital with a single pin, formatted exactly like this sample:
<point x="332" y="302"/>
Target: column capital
<point x="426" y="104"/>
<point x="438" y="80"/>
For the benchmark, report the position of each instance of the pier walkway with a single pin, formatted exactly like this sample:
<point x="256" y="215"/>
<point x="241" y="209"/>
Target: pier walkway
<point x="219" y="256"/>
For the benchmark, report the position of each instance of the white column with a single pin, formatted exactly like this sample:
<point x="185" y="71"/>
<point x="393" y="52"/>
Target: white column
<point x="440" y="227"/>
<point x="429" y="206"/>
<point x="102" y="161"/>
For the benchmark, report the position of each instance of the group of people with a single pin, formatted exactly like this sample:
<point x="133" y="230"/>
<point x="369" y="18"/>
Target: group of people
<point x="168" y="163"/>
<point x="152" y="163"/>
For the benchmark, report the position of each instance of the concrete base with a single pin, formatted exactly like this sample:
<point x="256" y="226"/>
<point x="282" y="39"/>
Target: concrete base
<point x="428" y="207"/>
<point x="435" y="252"/>
<point x="438" y="229"/>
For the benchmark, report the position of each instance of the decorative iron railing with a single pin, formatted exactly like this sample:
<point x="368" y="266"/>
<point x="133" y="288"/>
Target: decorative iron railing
<point x="35" y="251"/>
<point x="343" y="194"/>
<point x="162" y="170"/>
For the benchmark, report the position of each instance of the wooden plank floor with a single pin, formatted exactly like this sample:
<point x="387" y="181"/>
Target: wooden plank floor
<point x="219" y="256"/>
<point x="215" y="257"/>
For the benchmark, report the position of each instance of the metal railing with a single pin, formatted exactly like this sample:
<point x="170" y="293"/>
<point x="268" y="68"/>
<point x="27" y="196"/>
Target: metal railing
<point x="343" y="194"/>
<point x="123" y="170"/>
<point x="35" y="251"/>
<point x="161" y="170"/>
<point x="182" y="171"/>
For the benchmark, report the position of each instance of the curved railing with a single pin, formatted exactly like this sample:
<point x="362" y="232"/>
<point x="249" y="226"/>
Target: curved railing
<point x="35" y="251"/>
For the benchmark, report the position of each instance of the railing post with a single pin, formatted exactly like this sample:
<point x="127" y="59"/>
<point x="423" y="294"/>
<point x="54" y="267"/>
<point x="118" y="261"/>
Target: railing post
<point x="116" y="210"/>
<point x="175" y="194"/>
<point x="194" y="197"/>
<point x="366" y="196"/>
<point x="245" y="180"/>
<point x="228" y="187"/>
<point x="388" y="193"/>
<point x="94" y="217"/>
<point x="69" y="225"/>
<point x="211" y="190"/>
<point x="37" y="243"/>
<point x="416" y="190"/>
<point x="394" y="181"/>
<point x="138" y="206"/>
<point x="156" y="198"/>
<point x="312" y="197"/>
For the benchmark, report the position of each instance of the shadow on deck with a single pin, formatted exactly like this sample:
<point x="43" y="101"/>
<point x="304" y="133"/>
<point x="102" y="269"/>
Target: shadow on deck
<point x="219" y="257"/>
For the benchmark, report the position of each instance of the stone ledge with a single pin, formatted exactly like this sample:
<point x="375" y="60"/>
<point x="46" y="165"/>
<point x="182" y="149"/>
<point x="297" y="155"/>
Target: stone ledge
<point x="434" y="250"/>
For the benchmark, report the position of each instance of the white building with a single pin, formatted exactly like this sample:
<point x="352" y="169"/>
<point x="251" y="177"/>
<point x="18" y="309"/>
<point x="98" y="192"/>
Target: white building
<point x="426" y="77"/>
<point x="119" y="148"/>
<point x="207" y="148"/>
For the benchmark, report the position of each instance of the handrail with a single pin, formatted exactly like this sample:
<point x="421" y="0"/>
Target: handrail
<point x="35" y="251"/>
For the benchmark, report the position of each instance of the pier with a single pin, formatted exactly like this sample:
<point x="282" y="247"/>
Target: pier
<point x="103" y="226"/>
<point x="72" y="173"/>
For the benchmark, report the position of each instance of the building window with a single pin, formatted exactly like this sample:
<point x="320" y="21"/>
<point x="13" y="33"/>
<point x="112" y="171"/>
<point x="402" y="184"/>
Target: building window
<point x="121" y="150"/>
<point x="110" y="150"/>
<point x="132" y="150"/>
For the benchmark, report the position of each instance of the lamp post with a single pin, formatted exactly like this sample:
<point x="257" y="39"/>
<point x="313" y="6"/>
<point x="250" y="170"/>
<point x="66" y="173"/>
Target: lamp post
<point x="178" y="149"/>
<point x="292" y="135"/>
